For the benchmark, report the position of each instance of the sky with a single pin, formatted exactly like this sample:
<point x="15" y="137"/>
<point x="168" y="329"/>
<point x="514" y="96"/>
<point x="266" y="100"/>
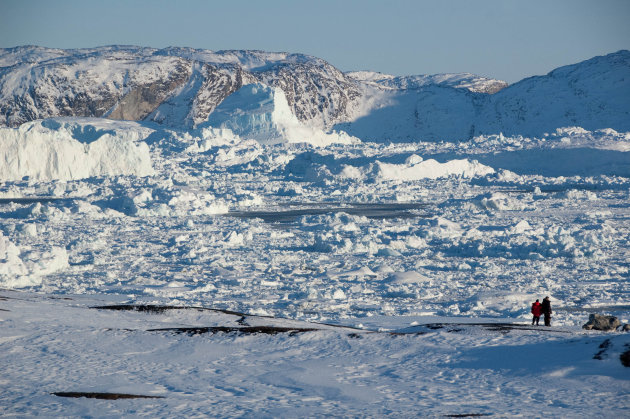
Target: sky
<point x="504" y="39"/>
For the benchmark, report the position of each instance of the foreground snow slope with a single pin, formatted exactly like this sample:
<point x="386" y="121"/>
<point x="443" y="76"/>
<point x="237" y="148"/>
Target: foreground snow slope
<point x="51" y="345"/>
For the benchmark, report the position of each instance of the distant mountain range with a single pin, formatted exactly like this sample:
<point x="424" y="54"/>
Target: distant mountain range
<point x="181" y="87"/>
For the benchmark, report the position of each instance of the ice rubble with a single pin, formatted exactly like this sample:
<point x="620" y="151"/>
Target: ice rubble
<point x="479" y="226"/>
<point x="261" y="112"/>
<point x="24" y="268"/>
<point x="67" y="150"/>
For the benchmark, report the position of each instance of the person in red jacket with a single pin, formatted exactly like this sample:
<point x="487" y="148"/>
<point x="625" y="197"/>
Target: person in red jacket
<point x="536" y="310"/>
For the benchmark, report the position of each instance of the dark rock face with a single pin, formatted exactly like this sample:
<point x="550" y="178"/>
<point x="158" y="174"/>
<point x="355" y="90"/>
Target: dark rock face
<point x="600" y="322"/>
<point x="205" y="89"/>
<point x="316" y="91"/>
<point x="143" y="99"/>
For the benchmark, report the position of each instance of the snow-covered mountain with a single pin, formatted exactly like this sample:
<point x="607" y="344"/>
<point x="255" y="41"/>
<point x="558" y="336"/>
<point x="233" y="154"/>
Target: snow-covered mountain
<point x="177" y="87"/>
<point x="181" y="87"/>
<point x="593" y="94"/>
<point x="467" y="81"/>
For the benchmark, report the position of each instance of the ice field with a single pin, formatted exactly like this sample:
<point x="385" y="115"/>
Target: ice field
<point x="374" y="237"/>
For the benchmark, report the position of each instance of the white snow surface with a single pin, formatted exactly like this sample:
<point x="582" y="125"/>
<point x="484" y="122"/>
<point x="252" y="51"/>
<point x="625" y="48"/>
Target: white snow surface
<point x="356" y="240"/>
<point x="61" y="345"/>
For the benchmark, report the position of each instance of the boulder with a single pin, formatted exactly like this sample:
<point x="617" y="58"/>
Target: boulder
<point x="625" y="328"/>
<point x="601" y="322"/>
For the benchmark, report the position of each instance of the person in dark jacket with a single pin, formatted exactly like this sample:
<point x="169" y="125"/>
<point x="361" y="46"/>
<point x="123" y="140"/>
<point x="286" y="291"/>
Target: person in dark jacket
<point x="546" y="310"/>
<point x="536" y="310"/>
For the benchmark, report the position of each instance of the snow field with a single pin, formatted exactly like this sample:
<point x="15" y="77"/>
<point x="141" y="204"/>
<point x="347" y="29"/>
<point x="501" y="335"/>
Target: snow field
<point x="456" y="369"/>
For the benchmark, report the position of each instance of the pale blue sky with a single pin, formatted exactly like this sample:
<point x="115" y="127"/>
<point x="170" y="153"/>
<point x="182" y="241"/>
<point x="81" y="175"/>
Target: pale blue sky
<point x="505" y="39"/>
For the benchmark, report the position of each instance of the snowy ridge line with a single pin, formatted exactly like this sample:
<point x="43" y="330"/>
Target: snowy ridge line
<point x="269" y="329"/>
<point x="183" y="88"/>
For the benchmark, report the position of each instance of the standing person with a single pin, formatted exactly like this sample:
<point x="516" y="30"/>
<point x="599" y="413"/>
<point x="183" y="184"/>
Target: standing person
<point x="546" y="310"/>
<point x="536" y="310"/>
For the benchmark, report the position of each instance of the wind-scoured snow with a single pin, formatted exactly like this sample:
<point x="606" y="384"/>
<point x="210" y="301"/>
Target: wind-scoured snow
<point x="58" y="345"/>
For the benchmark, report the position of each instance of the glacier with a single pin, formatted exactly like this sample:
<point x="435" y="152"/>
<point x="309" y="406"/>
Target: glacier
<point x="67" y="150"/>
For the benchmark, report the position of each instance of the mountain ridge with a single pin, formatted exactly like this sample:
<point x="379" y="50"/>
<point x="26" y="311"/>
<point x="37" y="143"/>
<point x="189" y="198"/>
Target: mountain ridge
<point x="180" y="87"/>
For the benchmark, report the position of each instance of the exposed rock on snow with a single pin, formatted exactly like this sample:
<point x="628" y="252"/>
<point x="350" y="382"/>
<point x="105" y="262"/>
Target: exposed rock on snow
<point x="601" y="322"/>
<point x="465" y="81"/>
<point x="178" y="87"/>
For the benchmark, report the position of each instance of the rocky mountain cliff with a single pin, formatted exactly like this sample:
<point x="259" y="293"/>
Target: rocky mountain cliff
<point x="181" y="87"/>
<point x="177" y="87"/>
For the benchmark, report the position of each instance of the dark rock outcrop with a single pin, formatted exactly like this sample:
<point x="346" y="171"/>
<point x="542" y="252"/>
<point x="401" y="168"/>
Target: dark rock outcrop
<point x="601" y="322"/>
